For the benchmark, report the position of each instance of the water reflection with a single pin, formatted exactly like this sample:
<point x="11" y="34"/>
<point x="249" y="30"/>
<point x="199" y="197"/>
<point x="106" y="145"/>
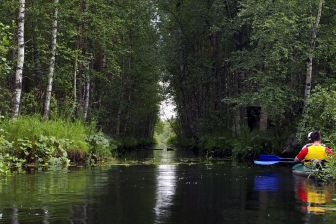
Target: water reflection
<point x="266" y="182"/>
<point x="165" y="191"/>
<point x="315" y="196"/>
<point x="165" y="186"/>
<point x="48" y="197"/>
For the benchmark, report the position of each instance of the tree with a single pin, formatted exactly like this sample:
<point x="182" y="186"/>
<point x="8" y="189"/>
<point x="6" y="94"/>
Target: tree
<point x="52" y="62"/>
<point x="20" y="59"/>
<point x="311" y="54"/>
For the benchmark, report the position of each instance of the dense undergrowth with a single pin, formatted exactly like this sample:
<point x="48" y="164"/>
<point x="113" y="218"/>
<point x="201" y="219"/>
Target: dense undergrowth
<point x="244" y="147"/>
<point x="30" y="141"/>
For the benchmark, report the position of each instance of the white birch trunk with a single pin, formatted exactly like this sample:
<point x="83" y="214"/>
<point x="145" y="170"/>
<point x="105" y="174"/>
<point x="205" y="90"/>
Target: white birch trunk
<point x="20" y="60"/>
<point x="311" y="55"/>
<point x="52" y="63"/>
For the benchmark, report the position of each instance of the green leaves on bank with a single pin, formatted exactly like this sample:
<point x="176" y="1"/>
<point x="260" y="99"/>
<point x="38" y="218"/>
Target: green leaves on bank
<point x="30" y="141"/>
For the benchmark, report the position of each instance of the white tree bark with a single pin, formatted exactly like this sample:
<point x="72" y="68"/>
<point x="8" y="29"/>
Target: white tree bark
<point x="52" y="63"/>
<point x="20" y="60"/>
<point x="311" y="55"/>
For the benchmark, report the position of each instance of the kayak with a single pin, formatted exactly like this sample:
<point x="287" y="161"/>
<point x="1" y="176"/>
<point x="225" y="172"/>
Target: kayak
<point x="301" y="170"/>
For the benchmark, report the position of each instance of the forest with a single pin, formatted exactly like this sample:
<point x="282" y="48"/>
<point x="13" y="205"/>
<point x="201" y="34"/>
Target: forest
<point x="246" y="76"/>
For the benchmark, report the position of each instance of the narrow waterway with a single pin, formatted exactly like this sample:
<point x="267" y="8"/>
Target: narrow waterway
<point x="166" y="188"/>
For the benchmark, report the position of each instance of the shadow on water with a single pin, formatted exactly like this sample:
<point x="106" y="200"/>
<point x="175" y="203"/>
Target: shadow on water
<point x="167" y="191"/>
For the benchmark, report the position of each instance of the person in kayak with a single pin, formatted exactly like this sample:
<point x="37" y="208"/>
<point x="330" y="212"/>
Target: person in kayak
<point x="315" y="151"/>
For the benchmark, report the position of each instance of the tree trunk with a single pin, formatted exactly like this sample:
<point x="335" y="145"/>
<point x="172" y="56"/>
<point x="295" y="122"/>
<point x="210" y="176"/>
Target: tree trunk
<point x="263" y="120"/>
<point x="120" y="104"/>
<point x="80" y="79"/>
<point x="87" y="97"/>
<point x="20" y="60"/>
<point x="75" y="87"/>
<point x="52" y="63"/>
<point x="311" y="55"/>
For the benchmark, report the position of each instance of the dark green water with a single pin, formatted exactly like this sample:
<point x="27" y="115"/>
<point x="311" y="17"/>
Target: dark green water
<point x="173" y="192"/>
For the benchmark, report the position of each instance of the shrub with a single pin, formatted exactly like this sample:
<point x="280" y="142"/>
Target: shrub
<point x="327" y="171"/>
<point x="320" y="114"/>
<point x="39" y="142"/>
<point x="100" y="147"/>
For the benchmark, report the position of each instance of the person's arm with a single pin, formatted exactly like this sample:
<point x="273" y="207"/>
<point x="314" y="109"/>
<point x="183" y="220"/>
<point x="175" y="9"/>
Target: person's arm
<point x="302" y="154"/>
<point x="328" y="150"/>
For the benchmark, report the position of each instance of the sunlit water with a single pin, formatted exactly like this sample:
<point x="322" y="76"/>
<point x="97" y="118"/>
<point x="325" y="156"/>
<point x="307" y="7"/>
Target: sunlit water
<point x="176" y="189"/>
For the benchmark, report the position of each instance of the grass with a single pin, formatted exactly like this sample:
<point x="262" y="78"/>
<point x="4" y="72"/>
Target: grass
<point x="32" y="127"/>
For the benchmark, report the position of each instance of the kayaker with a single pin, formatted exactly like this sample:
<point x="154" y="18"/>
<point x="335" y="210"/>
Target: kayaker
<point x="315" y="151"/>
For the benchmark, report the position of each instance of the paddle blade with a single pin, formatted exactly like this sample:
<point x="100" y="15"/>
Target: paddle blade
<point x="263" y="157"/>
<point x="265" y="163"/>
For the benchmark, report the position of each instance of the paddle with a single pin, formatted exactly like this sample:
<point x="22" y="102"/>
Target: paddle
<point x="267" y="160"/>
<point x="268" y="163"/>
<point x="264" y="157"/>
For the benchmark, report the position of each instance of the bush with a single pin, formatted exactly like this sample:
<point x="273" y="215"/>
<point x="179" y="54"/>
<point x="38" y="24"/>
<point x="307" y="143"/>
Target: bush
<point x="324" y="171"/>
<point x="320" y="114"/>
<point x="30" y="140"/>
<point x="101" y="147"/>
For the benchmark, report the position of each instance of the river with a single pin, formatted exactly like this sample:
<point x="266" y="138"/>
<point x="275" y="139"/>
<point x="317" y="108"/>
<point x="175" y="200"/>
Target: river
<point x="166" y="187"/>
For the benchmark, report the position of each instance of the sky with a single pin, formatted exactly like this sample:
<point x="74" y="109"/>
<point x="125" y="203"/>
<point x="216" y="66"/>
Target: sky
<point x="167" y="109"/>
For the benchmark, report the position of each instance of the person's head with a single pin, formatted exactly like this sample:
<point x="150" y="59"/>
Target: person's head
<point x="314" y="136"/>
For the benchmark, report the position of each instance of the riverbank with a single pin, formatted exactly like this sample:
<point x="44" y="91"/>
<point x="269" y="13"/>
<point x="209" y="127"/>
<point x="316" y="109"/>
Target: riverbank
<point x="31" y="141"/>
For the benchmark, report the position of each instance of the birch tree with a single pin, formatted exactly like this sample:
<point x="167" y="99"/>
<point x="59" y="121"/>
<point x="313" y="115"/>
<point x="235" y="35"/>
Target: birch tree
<point x="311" y="54"/>
<point x="20" y="59"/>
<point x="52" y="62"/>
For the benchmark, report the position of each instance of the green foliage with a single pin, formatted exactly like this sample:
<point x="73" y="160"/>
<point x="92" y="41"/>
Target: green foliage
<point x="224" y="57"/>
<point x="329" y="170"/>
<point x="114" y="44"/>
<point x="29" y="140"/>
<point x="245" y="147"/>
<point x="31" y="128"/>
<point x="325" y="171"/>
<point x="163" y="134"/>
<point x="101" y="147"/>
<point x="32" y="141"/>
<point x="5" y="45"/>
<point x="320" y="115"/>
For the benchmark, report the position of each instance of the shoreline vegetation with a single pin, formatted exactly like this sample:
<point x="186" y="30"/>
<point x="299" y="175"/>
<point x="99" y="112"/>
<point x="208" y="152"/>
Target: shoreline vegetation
<point x="30" y="141"/>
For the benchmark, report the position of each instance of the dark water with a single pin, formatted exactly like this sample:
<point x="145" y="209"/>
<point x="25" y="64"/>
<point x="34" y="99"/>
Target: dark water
<point x="174" y="190"/>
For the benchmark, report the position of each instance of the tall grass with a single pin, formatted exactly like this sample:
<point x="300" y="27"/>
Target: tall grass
<point x="32" y="127"/>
